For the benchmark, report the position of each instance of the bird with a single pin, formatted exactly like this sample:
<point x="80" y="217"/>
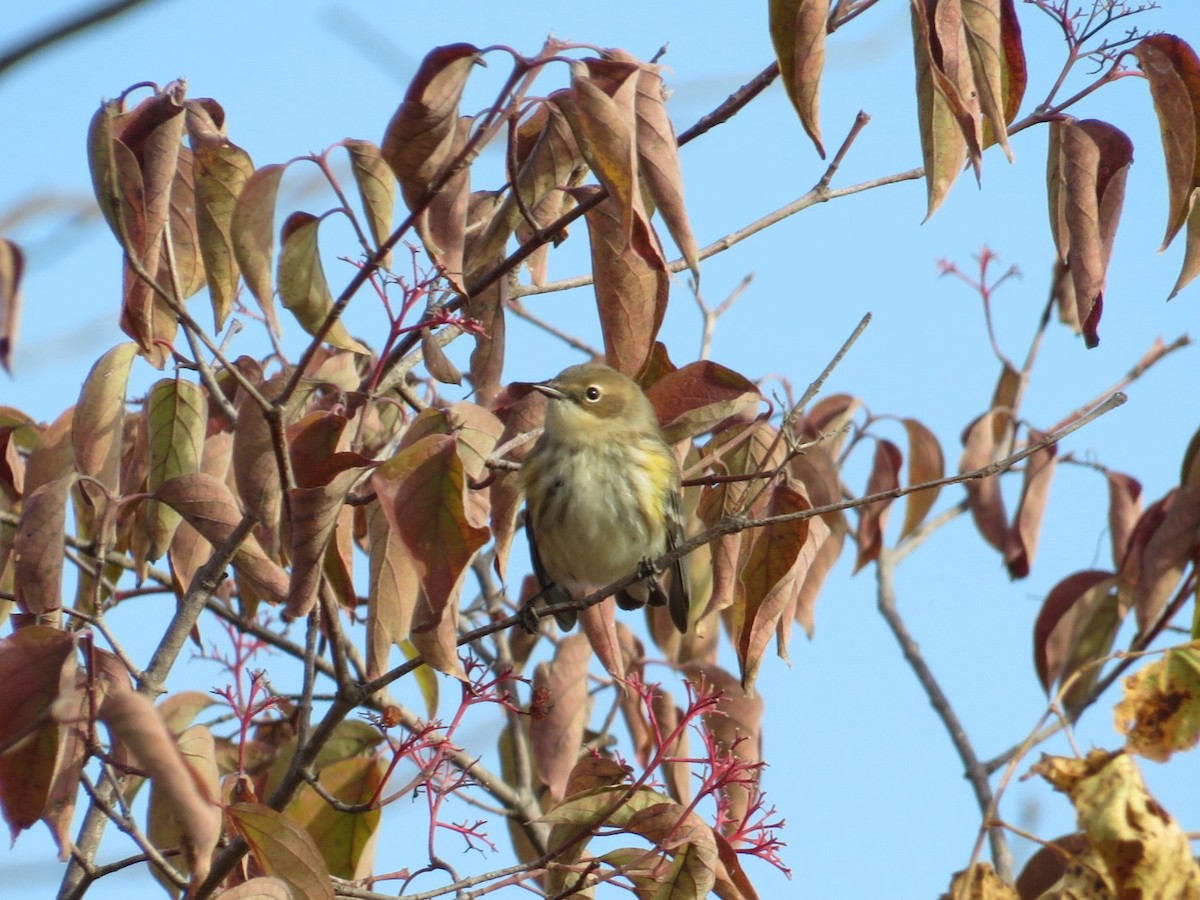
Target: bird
<point x="603" y="494"/>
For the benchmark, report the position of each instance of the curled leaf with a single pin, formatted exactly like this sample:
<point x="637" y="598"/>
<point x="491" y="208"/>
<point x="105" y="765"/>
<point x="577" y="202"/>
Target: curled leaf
<point x="798" y="29"/>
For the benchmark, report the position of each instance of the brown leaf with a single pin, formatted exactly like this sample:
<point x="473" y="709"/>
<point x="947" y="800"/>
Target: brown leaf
<point x="694" y="399"/>
<point x="27" y="776"/>
<point x="872" y="517"/>
<point x="632" y="283"/>
<point x="604" y="119"/>
<point x="220" y="170"/>
<point x="925" y="463"/>
<point x="38" y="549"/>
<point x="982" y="20"/>
<point x="422" y="141"/>
<point x="1096" y="159"/>
<point x="1022" y="537"/>
<point x="176" y="418"/>
<point x="980" y="448"/>
<point x="35" y="661"/>
<point x="1191" y="255"/>
<point x="980" y="882"/>
<point x="1124" y="509"/>
<point x="798" y="29"/>
<point x="376" y="189"/>
<point x="556" y="738"/>
<point x="1144" y="849"/>
<point x="1167" y="554"/>
<point x="422" y="491"/>
<point x="252" y="232"/>
<point x="599" y="624"/>
<point x="210" y="507"/>
<point x="519" y="417"/>
<point x="768" y="580"/>
<point x="1173" y="73"/>
<point x="437" y="363"/>
<point x="393" y="589"/>
<point x="1074" y="631"/>
<point x="943" y="145"/>
<point x="1048" y="865"/>
<point x="283" y="849"/>
<point x="302" y="285"/>
<point x="12" y="267"/>
<point x="132" y="719"/>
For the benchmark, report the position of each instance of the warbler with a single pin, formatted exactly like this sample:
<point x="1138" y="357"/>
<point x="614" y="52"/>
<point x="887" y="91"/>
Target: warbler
<point x="602" y="491"/>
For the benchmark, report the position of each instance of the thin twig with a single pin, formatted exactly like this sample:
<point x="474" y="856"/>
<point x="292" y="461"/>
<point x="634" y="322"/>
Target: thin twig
<point x="64" y="29"/>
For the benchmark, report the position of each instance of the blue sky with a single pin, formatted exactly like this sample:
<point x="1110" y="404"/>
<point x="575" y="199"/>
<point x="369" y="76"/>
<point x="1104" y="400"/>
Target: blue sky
<point x="860" y="766"/>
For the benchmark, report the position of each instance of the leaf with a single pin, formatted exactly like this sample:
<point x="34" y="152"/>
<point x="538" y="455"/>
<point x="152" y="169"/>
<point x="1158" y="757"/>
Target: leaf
<point x="176" y="419"/>
<point x="423" y="139"/>
<point x="943" y="145"/>
<point x="252" y="232"/>
<point x="1023" y="536"/>
<point x="982" y="20"/>
<point x="283" y="849"/>
<point x="422" y="491"/>
<point x="1173" y="73"/>
<point x="631" y="283"/>
<point x="38" y="548"/>
<point x="164" y="827"/>
<point x="302" y="285"/>
<point x="688" y="838"/>
<point x="1160" y="712"/>
<point x="98" y="424"/>
<point x="925" y="463"/>
<point x="376" y="189"/>
<point x="12" y="268"/>
<point x="798" y="29"/>
<point x="132" y="719"/>
<point x="1167" y="554"/>
<point x="767" y="580"/>
<point x="556" y="738"/>
<point x="698" y="397"/>
<point x="872" y="517"/>
<point x="981" y="448"/>
<point x="210" y="507"/>
<point x="34" y="663"/>
<point x="980" y="882"/>
<point x="1075" y="628"/>
<point x="392" y="596"/>
<point x="1124" y="509"/>
<point x="346" y="840"/>
<point x="27" y="776"/>
<point x="1145" y="851"/>
<point x="1096" y="159"/>
<point x="1191" y="255"/>
<point x="220" y="170"/>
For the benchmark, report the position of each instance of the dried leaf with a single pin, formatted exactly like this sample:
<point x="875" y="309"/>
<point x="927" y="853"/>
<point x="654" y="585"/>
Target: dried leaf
<point x="1124" y="509"/>
<point x="132" y="719"/>
<point x="1173" y="73"/>
<point x="38" y="549"/>
<point x="302" y="285"/>
<point x="1167" y="554"/>
<point x="34" y="663"/>
<point x="1035" y="490"/>
<point x="422" y="491"/>
<point x="982" y="20"/>
<point x="872" y="517"/>
<point x="1191" y="255"/>
<point x="12" y="268"/>
<point x="392" y="595"/>
<point x="925" y="463"/>
<point x="1160" y="712"/>
<point x="632" y="283"/>
<point x="768" y="580"/>
<point x="943" y="145"/>
<point x="798" y="29"/>
<point x="701" y="395"/>
<point x="981" y="447"/>
<point x="1076" y="627"/>
<point x="220" y="170"/>
<point x="604" y="119"/>
<point x="556" y="738"/>
<point x="1096" y="159"/>
<point x="1145" y="851"/>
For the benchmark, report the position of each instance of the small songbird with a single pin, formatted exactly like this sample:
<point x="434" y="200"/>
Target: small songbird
<point x="602" y="491"/>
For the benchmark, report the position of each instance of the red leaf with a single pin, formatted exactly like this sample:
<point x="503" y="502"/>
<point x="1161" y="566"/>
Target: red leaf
<point x="1022" y="537"/>
<point x="872" y="517"/>
<point x="556" y="737"/>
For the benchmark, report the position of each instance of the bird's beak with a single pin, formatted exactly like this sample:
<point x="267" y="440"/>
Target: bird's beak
<point x="542" y="387"/>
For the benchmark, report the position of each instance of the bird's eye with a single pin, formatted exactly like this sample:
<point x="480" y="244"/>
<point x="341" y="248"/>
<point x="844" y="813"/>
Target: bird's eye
<point x="591" y="393"/>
